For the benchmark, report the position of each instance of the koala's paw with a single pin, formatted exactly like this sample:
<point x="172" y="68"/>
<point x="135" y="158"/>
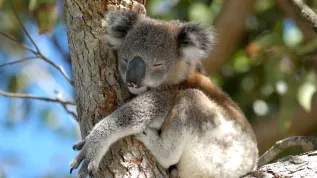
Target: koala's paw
<point x="89" y="151"/>
<point x="79" y="145"/>
<point x="148" y="135"/>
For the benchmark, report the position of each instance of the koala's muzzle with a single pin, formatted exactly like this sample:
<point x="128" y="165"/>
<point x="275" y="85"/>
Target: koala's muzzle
<point x="136" y="72"/>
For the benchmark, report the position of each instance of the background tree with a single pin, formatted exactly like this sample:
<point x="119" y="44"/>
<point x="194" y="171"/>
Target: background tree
<point x="265" y="60"/>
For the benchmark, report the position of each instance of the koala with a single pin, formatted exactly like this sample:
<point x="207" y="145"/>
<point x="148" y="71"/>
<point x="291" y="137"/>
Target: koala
<point x="181" y="117"/>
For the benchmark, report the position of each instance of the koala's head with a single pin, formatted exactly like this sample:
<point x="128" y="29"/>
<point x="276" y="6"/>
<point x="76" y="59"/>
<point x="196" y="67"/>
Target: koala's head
<point x="153" y="52"/>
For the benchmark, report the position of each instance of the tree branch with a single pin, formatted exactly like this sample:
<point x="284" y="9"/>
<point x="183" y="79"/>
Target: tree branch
<point x="59" y="68"/>
<point x="305" y="12"/>
<point x="302" y="25"/>
<point x="281" y="145"/>
<point x="233" y="15"/>
<point x="69" y="111"/>
<point x="37" y="52"/>
<point x="17" y="42"/>
<point x="41" y="56"/>
<point x="303" y="165"/>
<point x="24" y="29"/>
<point x="18" y="61"/>
<point x="28" y="96"/>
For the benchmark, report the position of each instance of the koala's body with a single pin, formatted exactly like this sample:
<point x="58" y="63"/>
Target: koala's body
<point x="179" y="114"/>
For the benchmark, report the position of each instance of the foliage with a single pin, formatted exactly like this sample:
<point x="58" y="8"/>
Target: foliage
<point x="269" y="71"/>
<point x="270" y="74"/>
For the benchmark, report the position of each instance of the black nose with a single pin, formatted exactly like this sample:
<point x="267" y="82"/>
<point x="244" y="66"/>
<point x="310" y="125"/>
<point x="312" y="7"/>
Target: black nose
<point x="136" y="71"/>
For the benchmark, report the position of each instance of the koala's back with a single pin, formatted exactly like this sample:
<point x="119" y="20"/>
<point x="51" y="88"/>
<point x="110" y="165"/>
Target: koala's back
<point x="217" y="139"/>
<point x="213" y="144"/>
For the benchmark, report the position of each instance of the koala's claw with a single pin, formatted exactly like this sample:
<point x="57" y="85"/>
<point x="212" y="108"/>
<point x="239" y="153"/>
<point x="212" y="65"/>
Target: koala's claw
<point x="79" y="145"/>
<point x="77" y="160"/>
<point x="83" y="171"/>
<point x="87" y="156"/>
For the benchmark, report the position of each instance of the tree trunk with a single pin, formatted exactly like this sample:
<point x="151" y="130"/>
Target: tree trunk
<point x="99" y="89"/>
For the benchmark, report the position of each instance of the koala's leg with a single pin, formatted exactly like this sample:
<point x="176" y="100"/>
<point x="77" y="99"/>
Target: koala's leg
<point x="129" y="119"/>
<point x="167" y="147"/>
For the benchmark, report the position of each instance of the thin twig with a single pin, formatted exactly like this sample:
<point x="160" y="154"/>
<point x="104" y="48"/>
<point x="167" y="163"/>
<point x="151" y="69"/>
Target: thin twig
<point x="69" y="111"/>
<point x="305" y="12"/>
<point x="40" y="55"/>
<point x="37" y="52"/>
<point x="17" y="42"/>
<point x="61" y="69"/>
<point x="28" y="96"/>
<point x="18" y="61"/>
<point x="281" y="145"/>
<point x="24" y="29"/>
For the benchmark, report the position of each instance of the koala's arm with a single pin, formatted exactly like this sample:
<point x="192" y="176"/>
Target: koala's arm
<point x="129" y="119"/>
<point x="168" y="146"/>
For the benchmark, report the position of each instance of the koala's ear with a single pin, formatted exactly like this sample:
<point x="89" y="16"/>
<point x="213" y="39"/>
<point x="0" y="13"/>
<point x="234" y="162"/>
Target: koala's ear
<point x="118" y="24"/>
<point x="195" y="41"/>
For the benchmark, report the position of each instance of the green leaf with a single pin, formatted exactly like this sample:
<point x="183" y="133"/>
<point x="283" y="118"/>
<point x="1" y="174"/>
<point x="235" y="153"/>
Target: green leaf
<point x="46" y="17"/>
<point x="307" y="90"/>
<point x="288" y="103"/>
<point x="33" y="4"/>
<point x="199" y="12"/>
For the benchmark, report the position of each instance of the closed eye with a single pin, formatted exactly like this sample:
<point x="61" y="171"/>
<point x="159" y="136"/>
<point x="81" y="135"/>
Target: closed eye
<point x="157" y="65"/>
<point x="125" y="60"/>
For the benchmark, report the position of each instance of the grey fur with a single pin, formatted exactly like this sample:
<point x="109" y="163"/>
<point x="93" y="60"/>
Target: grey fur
<point x="156" y="42"/>
<point x="197" y="133"/>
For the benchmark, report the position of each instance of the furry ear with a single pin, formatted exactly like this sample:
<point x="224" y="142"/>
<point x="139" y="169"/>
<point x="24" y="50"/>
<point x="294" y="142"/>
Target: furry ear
<point x="118" y="24"/>
<point x="195" y="42"/>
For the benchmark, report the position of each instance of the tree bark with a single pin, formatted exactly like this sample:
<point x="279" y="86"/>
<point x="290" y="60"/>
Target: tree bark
<point x="289" y="11"/>
<point x="99" y="89"/>
<point x="304" y="165"/>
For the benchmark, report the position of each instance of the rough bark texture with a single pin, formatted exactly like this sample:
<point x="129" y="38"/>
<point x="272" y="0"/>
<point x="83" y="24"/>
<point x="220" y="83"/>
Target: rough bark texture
<point x="304" y="165"/>
<point x="99" y="89"/>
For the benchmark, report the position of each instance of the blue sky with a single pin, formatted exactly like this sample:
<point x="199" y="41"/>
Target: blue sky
<point x="40" y="142"/>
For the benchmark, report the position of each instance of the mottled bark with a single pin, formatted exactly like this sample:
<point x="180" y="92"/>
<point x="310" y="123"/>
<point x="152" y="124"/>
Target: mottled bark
<point x="304" y="165"/>
<point x="99" y="89"/>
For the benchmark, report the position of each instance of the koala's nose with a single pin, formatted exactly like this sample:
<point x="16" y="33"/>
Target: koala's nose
<point x="135" y="72"/>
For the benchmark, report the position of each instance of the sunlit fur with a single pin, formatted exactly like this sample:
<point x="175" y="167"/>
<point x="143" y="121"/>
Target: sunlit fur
<point x="182" y="118"/>
<point x="222" y="143"/>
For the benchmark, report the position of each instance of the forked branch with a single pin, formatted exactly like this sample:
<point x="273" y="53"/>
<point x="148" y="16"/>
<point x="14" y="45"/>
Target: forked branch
<point x="22" y="26"/>
<point x="36" y="52"/>
<point x="18" y="61"/>
<point x="281" y="145"/>
<point x="28" y="96"/>
<point x="305" y="12"/>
